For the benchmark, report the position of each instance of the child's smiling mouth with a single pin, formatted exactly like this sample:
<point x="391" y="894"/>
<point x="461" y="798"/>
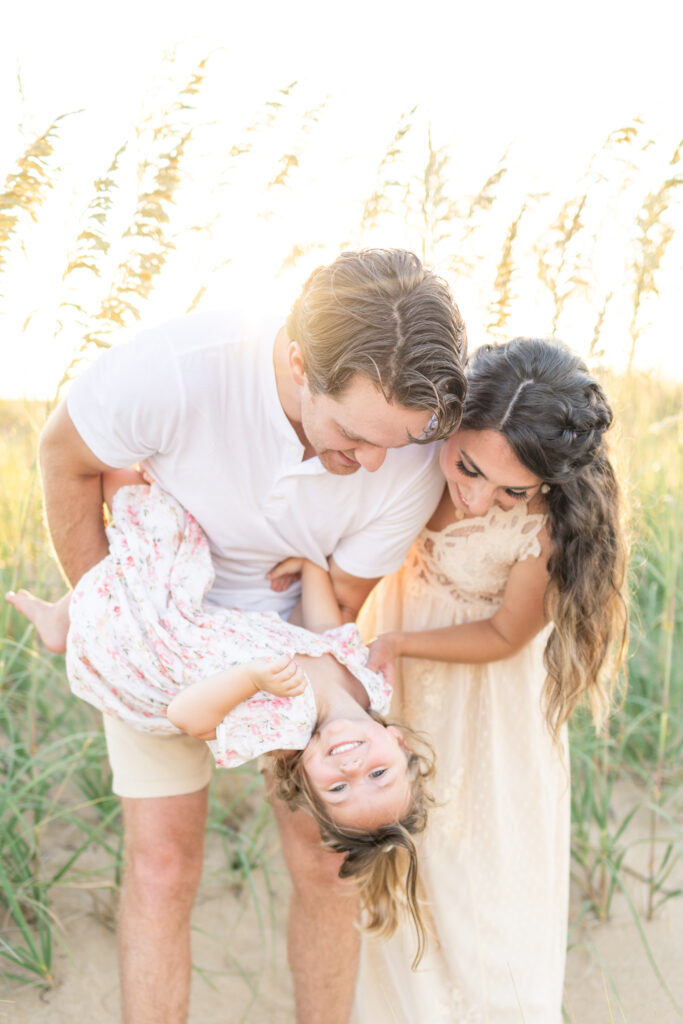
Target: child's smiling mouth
<point x="343" y="748"/>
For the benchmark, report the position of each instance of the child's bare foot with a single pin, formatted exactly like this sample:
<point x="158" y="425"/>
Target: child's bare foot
<point x="282" y="676"/>
<point x="51" y="620"/>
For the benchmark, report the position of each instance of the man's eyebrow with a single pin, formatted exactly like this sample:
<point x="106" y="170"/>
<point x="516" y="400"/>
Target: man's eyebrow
<point x="363" y="440"/>
<point x="350" y="436"/>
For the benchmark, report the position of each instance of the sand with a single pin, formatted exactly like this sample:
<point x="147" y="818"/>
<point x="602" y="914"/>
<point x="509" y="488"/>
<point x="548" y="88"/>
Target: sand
<point x="240" y="956"/>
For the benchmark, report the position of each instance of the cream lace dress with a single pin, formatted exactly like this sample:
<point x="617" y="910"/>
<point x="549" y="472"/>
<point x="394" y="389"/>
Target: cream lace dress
<point x="495" y="858"/>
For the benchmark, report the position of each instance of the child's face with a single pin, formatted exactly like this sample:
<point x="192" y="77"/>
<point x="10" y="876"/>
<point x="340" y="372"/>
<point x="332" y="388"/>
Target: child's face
<point x="359" y="769"/>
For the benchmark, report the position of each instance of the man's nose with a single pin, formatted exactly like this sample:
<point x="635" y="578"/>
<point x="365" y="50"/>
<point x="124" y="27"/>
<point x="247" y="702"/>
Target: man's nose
<point x="370" y="457"/>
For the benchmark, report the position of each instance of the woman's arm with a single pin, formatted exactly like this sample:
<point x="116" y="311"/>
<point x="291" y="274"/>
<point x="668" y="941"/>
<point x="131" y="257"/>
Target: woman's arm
<point x="519" y="618"/>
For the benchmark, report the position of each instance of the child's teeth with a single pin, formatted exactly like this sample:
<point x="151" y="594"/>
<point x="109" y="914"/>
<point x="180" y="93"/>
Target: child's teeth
<point x="341" y="748"/>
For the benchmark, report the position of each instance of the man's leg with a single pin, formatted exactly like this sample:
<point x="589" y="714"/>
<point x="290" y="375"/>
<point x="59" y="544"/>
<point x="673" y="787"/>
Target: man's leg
<point x="323" y="936"/>
<point x="163" y="785"/>
<point x="164" y="848"/>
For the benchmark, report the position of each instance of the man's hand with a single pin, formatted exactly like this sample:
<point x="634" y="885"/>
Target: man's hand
<point x="382" y="657"/>
<point x="285" y="573"/>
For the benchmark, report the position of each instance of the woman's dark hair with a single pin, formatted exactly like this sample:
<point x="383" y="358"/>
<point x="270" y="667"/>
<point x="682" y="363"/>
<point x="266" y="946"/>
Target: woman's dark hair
<point x="554" y="415"/>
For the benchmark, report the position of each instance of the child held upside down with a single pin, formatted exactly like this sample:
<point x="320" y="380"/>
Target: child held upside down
<point x="142" y="645"/>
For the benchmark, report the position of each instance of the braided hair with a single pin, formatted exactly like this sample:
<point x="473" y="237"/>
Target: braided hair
<point x="554" y="415"/>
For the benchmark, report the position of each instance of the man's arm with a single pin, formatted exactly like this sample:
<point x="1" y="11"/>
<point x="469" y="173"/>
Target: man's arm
<point x="350" y="591"/>
<point x="72" y="491"/>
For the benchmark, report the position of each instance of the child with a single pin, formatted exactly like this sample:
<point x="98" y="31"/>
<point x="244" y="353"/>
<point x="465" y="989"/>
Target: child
<point x="501" y="620"/>
<point x="143" y="646"/>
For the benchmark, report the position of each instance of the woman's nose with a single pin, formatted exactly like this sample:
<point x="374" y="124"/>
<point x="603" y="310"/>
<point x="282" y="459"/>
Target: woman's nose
<point x="479" y="499"/>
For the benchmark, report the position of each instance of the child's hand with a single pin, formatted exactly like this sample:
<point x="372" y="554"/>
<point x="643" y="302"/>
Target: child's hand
<point x="285" y="573"/>
<point x="282" y="677"/>
<point x="382" y="656"/>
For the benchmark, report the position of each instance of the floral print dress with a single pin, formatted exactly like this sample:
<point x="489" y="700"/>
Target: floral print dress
<point x="140" y="632"/>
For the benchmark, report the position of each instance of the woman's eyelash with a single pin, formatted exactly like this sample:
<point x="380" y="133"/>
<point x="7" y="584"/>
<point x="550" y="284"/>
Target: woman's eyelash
<point x="463" y="469"/>
<point x="516" y="495"/>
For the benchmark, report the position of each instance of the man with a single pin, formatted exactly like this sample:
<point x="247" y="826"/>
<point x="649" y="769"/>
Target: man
<point x="277" y="447"/>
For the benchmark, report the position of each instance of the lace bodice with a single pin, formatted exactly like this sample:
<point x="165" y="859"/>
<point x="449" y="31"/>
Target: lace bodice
<point x="471" y="558"/>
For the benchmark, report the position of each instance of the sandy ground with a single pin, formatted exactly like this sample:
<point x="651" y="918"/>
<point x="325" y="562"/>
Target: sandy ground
<point x="240" y="959"/>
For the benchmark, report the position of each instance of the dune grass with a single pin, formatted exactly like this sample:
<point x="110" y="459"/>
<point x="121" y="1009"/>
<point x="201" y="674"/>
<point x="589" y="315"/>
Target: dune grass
<point x="495" y="247"/>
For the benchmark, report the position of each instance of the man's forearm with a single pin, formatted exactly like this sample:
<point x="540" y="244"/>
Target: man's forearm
<point x="72" y="492"/>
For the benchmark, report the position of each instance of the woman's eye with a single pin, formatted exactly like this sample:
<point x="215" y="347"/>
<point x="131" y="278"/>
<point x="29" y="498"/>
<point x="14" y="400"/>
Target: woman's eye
<point x="463" y="469"/>
<point x="518" y="495"/>
<point x="377" y="772"/>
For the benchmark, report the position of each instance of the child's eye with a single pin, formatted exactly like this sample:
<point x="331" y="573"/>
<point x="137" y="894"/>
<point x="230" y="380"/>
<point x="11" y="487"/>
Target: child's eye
<point x="517" y="495"/>
<point x="338" y="788"/>
<point x="377" y="772"/>
<point x="463" y="469"/>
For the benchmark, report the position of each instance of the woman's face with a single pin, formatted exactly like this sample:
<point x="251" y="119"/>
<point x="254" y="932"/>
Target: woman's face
<point x="482" y="470"/>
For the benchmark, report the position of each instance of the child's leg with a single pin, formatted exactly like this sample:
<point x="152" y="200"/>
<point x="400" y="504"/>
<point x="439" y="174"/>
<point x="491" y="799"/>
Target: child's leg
<point x="115" y="478"/>
<point x="50" y="619"/>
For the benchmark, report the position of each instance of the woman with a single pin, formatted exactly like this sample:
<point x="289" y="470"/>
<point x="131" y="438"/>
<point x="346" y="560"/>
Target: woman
<point x="503" y="617"/>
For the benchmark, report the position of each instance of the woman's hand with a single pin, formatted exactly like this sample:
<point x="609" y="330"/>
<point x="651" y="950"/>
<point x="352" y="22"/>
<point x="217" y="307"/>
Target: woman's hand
<point x="383" y="653"/>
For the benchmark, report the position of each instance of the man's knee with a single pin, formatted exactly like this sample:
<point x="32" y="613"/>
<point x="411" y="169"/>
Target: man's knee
<point x="313" y="869"/>
<point x="164" y="870"/>
<point x="164" y="846"/>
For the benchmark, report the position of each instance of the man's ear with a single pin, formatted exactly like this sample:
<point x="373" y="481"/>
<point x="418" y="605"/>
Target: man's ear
<point x="296" y="363"/>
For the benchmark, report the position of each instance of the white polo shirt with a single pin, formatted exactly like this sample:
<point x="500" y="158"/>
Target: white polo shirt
<point x="196" y="401"/>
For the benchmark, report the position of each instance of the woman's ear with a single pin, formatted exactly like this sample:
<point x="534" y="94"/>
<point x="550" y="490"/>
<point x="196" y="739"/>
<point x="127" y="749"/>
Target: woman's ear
<point x="296" y="363"/>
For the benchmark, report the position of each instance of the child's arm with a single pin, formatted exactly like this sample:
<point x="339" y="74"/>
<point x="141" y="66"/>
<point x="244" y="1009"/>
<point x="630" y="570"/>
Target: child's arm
<point x="519" y="618"/>
<point x="319" y="608"/>
<point x="201" y="707"/>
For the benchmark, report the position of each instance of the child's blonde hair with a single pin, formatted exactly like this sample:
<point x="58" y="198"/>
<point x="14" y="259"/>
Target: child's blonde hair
<point x="383" y="861"/>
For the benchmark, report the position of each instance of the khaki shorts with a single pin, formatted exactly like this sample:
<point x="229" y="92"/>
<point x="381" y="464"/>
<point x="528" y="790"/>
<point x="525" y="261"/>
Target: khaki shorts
<point x="147" y="765"/>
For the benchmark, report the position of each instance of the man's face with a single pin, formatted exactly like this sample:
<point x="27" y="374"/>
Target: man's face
<point x="354" y="429"/>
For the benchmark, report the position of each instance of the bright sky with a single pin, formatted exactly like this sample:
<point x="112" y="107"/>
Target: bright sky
<point x="547" y="80"/>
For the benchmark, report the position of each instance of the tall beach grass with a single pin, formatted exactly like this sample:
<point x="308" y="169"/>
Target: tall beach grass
<point x="498" y="248"/>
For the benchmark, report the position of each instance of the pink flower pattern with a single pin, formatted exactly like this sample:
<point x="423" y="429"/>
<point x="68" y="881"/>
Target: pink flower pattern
<point x="140" y="632"/>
